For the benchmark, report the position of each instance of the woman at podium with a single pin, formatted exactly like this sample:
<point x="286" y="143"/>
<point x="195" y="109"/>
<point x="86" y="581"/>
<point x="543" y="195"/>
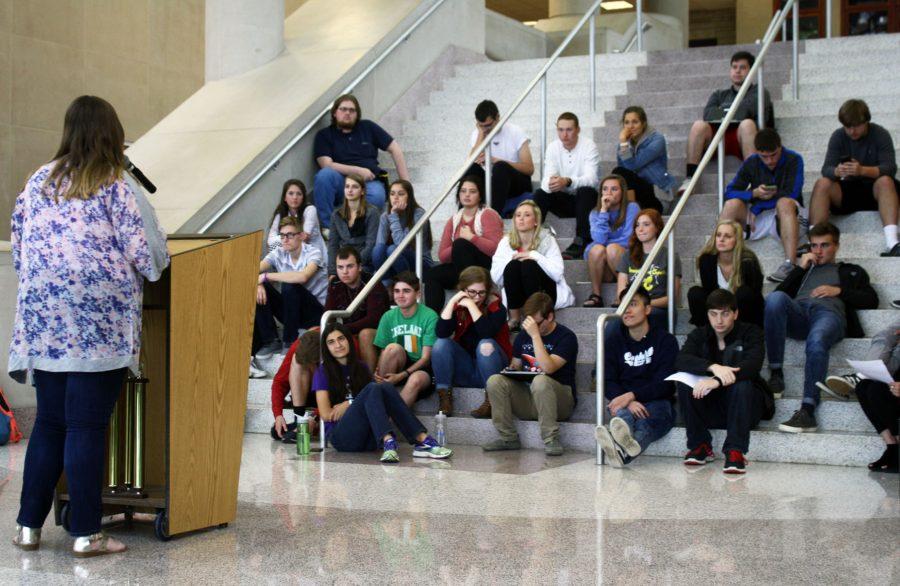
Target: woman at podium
<point x="83" y="239"/>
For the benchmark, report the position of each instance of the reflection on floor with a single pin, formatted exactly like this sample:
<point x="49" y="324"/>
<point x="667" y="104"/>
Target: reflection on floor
<point x="507" y="518"/>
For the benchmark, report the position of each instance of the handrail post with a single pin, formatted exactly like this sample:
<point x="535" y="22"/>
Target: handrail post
<point x="543" y="121"/>
<point x="720" y="174"/>
<point x="419" y="249"/>
<point x="760" y="98"/>
<point x="795" y="50"/>
<point x="488" y="192"/>
<point x="601" y="373"/>
<point x="640" y="25"/>
<point x="828" y="8"/>
<point x="592" y="33"/>
<point x="670" y="280"/>
<point x="783" y="31"/>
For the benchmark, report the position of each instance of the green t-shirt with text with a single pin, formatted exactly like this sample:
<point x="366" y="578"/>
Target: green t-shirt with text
<point x="413" y="333"/>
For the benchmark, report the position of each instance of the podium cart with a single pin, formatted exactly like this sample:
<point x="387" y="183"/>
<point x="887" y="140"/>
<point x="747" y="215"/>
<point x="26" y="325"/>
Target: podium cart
<point x="174" y="446"/>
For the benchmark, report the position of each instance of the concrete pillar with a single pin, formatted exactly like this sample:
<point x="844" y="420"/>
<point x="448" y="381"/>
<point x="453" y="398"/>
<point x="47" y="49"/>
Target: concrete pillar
<point x="242" y="35"/>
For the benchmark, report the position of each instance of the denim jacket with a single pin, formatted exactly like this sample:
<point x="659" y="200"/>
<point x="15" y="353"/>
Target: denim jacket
<point x="648" y="158"/>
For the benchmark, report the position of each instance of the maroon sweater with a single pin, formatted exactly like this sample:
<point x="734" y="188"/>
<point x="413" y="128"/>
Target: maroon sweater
<point x="367" y="314"/>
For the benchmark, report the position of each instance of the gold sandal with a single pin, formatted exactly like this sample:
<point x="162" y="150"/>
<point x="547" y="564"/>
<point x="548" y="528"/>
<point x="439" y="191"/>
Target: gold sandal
<point x="93" y="545"/>
<point x="27" y="539"/>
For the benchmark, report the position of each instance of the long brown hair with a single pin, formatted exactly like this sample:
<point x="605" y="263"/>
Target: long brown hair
<point x="408" y="215"/>
<point x="476" y="274"/>
<point x="623" y="202"/>
<point x="283" y="211"/>
<point x="359" y="374"/>
<point x="738" y="255"/>
<point x="345" y="209"/>
<point x="91" y="154"/>
<point x="635" y="247"/>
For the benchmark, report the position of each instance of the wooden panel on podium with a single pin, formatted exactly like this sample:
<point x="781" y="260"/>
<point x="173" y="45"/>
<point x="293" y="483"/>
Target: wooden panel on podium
<point x="213" y="292"/>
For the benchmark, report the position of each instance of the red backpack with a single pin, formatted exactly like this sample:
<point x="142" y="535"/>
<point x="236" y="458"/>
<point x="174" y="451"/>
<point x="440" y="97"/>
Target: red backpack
<point x="9" y="429"/>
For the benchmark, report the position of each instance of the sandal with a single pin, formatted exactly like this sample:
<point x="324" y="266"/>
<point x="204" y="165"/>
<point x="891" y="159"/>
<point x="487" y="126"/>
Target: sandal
<point x="96" y="544"/>
<point x="593" y="300"/>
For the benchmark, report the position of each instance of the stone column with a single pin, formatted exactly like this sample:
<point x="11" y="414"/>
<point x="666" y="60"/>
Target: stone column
<point x="242" y="35"/>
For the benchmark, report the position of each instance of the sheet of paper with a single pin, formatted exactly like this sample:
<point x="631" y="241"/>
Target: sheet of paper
<point x="684" y="377"/>
<point x="873" y="369"/>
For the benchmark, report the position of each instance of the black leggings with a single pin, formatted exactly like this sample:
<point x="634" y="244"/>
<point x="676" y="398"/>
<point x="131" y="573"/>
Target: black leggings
<point x="522" y="279"/>
<point x="751" y="305"/>
<point x="506" y="182"/>
<point x="880" y="406"/>
<point x="643" y="189"/>
<point x="567" y="205"/>
<point x="444" y="276"/>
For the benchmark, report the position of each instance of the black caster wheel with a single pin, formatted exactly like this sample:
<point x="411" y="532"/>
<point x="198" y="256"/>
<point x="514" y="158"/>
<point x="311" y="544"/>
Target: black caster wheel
<point x="161" y="526"/>
<point x="223" y="525"/>
<point x="64" y="516"/>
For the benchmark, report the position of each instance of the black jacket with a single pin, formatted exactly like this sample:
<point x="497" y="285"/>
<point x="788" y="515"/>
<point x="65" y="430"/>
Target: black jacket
<point x="751" y="274"/>
<point x="856" y="292"/>
<point x="745" y="348"/>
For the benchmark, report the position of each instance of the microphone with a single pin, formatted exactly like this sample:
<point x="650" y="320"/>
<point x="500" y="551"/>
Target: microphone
<point x="139" y="175"/>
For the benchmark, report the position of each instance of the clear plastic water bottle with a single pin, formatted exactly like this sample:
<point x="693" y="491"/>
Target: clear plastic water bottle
<point x="440" y="433"/>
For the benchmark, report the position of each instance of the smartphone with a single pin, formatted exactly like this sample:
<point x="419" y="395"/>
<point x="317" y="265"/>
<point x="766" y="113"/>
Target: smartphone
<point x="771" y="187"/>
<point x="846" y="159"/>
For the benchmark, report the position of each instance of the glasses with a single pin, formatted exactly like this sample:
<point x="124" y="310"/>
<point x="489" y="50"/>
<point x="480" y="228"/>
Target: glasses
<point x="346" y="110"/>
<point x="474" y="293"/>
<point x="288" y="235"/>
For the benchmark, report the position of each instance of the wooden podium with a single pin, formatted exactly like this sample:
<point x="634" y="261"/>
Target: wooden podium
<point x="197" y="329"/>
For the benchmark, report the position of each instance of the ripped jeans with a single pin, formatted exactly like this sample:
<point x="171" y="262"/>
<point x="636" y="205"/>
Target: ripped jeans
<point x="454" y="366"/>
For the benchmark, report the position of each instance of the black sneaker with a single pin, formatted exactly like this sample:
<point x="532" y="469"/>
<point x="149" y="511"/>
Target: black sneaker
<point x="841" y="386"/>
<point x="800" y="422"/>
<point x="776" y="383"/>
<point x="895" y="303"/>
<point x="575" y="250"/>
<point x="699" y="455"/>
<point x="894" y="251"/>
<point x="734" y="463"/>
<point x="289" y="437"/>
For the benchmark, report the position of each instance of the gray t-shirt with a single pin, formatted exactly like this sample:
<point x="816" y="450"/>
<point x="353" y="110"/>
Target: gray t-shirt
<point x="655" y="279"/>
<point x="822" y="275"/>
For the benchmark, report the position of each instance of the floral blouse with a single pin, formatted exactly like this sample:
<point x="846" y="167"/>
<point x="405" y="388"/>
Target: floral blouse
<point x="81" y="265"/>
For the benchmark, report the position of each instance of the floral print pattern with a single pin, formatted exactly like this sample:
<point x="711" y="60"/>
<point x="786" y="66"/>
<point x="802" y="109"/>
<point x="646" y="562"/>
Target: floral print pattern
<point x="81" y="265"/>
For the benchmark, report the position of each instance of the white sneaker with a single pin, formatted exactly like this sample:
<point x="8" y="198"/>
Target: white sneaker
<point x="269" y="350"/>
<point x="256" y="371"/>
<point x="684" y="186"/>
<point x="782" y="272"/>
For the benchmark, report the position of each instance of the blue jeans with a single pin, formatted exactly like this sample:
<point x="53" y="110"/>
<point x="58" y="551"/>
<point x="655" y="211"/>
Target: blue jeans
<point x="648" y="430"/>
<point x="368" y="420"/>
<point x="453" y="365"/>
<point x="328" y="193"/>
<point x="73" y="410"/>
<point x="821" y="327"/>
<point x="404" y="262"/>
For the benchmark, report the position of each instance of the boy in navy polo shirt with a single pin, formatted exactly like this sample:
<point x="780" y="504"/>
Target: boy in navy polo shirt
<point x="351" y="145"/>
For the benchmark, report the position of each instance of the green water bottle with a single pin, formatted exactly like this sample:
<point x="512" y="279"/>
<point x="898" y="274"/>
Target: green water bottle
<point x="303" y="435"/>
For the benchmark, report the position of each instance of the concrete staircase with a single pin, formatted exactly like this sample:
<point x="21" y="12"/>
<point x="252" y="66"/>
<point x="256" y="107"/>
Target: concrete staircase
<point x="673" y="87"/>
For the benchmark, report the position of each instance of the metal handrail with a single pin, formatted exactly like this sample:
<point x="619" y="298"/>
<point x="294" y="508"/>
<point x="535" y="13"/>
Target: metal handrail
<point x="484" y="146"/>
<point x="667" y="234"/>
<point x="633" y="39"/>
<point x="273" y="162"/>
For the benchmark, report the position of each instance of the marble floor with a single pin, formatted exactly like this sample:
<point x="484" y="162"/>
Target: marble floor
<point x="509" y="518"/>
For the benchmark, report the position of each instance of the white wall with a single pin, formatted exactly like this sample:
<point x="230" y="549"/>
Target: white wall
<point x="507" y="39"/>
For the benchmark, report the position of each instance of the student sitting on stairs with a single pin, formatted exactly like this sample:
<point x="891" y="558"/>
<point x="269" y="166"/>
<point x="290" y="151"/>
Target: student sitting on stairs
<point x="292" y="383"/>
<point x="816" y="302"/>
<point x="641" y="402"/>
<point x="729" y="355"/>
<point x="766" y="196"/>
<point x="879" y="401"/>
<point x="859" y="173"/>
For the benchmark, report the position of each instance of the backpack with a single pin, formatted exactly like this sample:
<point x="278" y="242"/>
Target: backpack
<point x="9" y="429"/>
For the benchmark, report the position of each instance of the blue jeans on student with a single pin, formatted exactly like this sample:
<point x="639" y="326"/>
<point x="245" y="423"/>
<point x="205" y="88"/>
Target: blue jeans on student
<point x="821" y="327"/>
<point x="73" y="410"/>
<point x="369" y="417"/>
<point x="405" y="262"/>
<point x="648" y="430"/>
<point x="328" y="193"/>
<point x="453" y="365"/>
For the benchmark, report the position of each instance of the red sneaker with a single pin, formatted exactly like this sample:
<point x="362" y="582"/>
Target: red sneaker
<point x="735" y="463"/>
<point x="699" y="455"/>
